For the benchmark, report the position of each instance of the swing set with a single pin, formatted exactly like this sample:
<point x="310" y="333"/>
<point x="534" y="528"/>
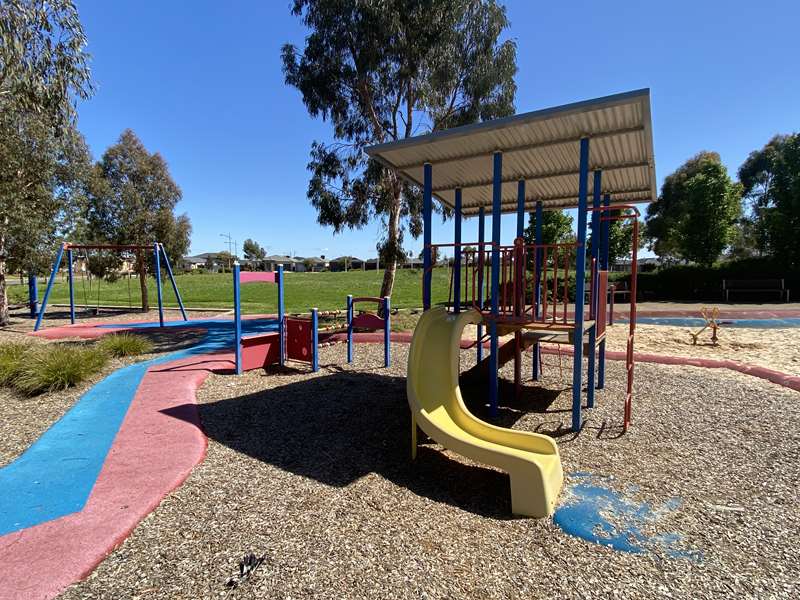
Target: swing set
<point x="70" y="249"/>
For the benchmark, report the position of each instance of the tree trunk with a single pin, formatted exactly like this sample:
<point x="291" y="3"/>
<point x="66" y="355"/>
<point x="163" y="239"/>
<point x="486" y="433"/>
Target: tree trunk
<point x="393" y="243"/>
<point x="4" y="317"/>
<point x="143" y="282"/>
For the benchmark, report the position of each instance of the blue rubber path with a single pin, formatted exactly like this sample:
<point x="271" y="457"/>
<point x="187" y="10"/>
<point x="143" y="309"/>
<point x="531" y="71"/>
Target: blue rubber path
<point x="698" y="322"/>
<point x="55" y="476"/>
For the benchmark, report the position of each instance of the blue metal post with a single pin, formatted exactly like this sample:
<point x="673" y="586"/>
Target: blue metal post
<point x="520" y="232"/>
<point x="497" y="198"/>
<point x="49" y="287"/>
<point x="580" y="285"/>
<point x="387" y="330"/>
<point x="537" y="286"/>
<point x="349" y="328"/>
<point x="159" y="291"/>
<point x="427" y="209"/>
<point x="314" y="340"/>
<point x="457" y="255"/>
<point x="71" y="287"/>
<point x="601" y="351"/>
<point x="481" y="239"/>
<point x="172" y="281"/>
<point x="596" y="242"/>
<point x="237" y="318"/>
<point x="33" y="294"/>
<point x="281" y="318"/>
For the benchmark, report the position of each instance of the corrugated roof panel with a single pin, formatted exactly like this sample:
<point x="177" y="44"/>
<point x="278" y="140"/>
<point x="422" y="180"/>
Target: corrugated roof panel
<point x="541" y="147"/>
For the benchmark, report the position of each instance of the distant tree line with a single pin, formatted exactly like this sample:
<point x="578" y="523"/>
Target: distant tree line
<point x="702" y="214"/>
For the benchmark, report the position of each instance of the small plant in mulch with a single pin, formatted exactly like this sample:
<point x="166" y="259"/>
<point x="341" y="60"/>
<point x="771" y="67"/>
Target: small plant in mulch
<point x="120" y="345"/>
<point x="54" y="367"/>
<point x="11" y="354"/>
<point x="247" y="567"/>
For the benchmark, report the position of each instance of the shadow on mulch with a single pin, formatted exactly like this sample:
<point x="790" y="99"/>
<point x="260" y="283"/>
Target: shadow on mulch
<point x="338" y="428"/>
<point x="171" y="339"/>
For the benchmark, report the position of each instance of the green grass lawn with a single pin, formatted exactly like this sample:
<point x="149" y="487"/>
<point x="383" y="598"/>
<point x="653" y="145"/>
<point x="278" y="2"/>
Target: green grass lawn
<point x="326" y="291"/>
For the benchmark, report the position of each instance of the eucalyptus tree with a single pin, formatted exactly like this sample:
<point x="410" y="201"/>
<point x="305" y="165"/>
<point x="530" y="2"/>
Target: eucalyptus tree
<point x="132" y="201"/>
<point x="384" y="70"/>
<point x="771" y="180"/>
<point x="44" y="71"/>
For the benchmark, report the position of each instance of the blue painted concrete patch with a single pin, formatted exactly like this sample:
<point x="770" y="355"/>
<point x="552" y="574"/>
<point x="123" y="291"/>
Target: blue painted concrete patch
<point x="595" y="512"/>
<point x="786" y="323"/>
<point x="55" y="476"/>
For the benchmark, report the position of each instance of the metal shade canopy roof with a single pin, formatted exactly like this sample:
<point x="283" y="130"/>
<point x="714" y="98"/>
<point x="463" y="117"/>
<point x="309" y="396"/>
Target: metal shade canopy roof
<point x="541" y="147"/>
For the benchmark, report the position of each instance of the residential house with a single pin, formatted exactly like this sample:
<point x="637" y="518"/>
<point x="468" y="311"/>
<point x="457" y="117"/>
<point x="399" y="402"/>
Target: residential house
<point x="314" y="264"/>
<point x="192" y="263"/>
<point x="289" y="264"/>
<point x="346" y="263"/>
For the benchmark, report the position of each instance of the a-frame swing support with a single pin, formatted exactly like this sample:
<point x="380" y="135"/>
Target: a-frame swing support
<point x="158" y="254"/>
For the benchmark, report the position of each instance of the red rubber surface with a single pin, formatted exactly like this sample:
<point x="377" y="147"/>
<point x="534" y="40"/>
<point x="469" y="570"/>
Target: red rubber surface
<point x="159" y="443"/>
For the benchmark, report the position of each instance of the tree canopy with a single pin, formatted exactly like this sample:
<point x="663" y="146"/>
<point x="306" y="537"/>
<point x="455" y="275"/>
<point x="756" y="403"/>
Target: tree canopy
<point x="132" y="201"/>
<point x="771" y="181"/>
<point x="556" y="228"/>
<point x="252" y="250"/>
<point x="383" y="70"/>
<point x="43" y="72"/>
<point x="695" y="215"/>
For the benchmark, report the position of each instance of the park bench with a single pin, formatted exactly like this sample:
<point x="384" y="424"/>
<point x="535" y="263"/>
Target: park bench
<point x="755" y="286"/>
<point x="619" y="289"/>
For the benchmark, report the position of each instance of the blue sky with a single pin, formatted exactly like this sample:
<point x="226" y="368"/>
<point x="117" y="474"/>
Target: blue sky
<point x="201" y="83"/>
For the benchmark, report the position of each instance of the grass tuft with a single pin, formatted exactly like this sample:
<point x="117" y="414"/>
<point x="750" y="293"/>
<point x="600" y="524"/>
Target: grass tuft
<point x="11" y="359"/>
<point x="124" y="344"/>
<point x="57" y="367"/>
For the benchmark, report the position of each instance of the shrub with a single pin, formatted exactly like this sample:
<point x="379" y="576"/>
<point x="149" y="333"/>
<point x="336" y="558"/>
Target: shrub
<point x="57" y="367"/>
<point x="124" y="344"/>
<point x="11" y="358"/>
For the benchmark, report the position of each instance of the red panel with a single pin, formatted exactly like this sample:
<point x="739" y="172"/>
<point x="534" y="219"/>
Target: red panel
<point x="602" y="297"/>
<point x="256" y="276"/>
<point x="298" y="339"/>
<point x="259" y="351"/>
<point x="368" y="321"/>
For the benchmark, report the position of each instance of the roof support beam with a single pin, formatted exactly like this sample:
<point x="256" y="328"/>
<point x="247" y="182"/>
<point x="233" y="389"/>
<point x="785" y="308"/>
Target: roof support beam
<point x="522" y="148"/>
<point x="555" y="201"/>
<point x="540" y="176"/>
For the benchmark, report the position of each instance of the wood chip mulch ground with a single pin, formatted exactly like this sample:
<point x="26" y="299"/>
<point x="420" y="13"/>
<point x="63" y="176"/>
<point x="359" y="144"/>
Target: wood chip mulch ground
<point x="309" y="477"/>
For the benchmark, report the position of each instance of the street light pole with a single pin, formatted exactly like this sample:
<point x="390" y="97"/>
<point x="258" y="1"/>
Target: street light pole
<point x="228" y="237"/>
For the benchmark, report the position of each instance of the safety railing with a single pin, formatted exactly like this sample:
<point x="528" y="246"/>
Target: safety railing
<point x="533" y="279"/>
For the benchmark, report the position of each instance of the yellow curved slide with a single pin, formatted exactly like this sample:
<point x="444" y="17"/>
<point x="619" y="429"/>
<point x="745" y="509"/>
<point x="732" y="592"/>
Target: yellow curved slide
<point x="530" y="459"/>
